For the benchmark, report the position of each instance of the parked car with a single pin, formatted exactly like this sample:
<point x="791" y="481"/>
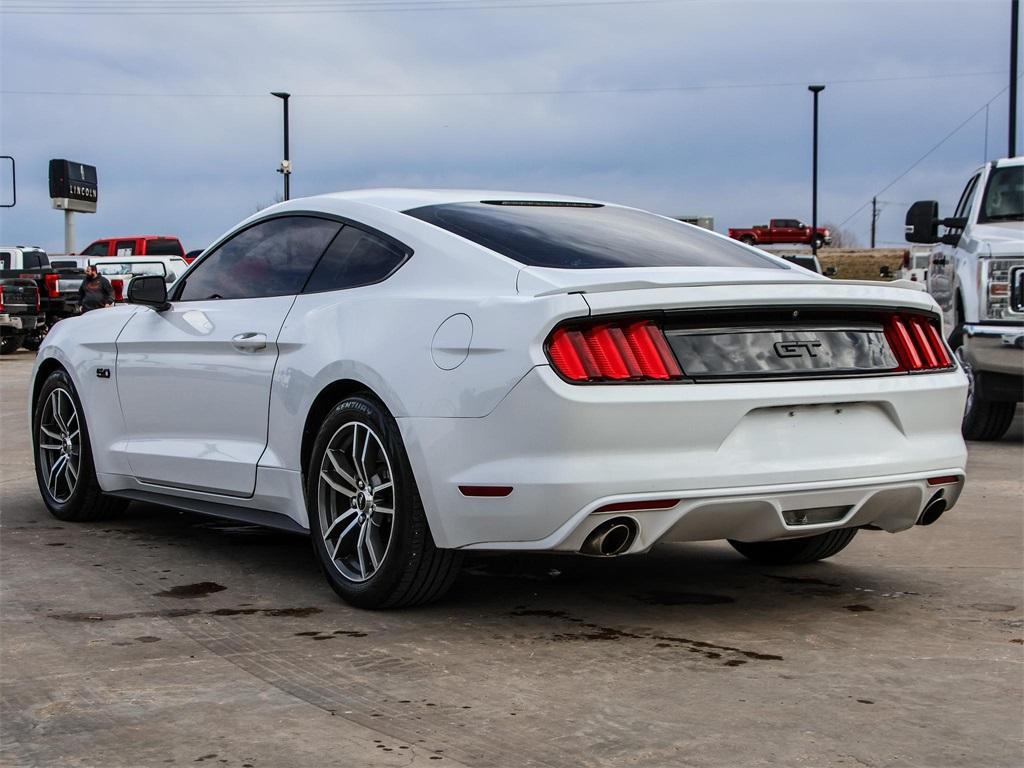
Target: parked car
<point x="408" y="375"/>
<point x="20" y="312"/>
<point x="976" y="275"/>
<point x="57" y="298"/>
<point x="806" y="260"/>
<point x="136" y="245"/>
<point x="121" y="271"/>
<point x="782" y="231"/>
<point x="193" y="255"/>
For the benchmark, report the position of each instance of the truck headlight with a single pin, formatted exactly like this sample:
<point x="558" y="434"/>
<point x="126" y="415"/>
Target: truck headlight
<point x="994" y="285"/>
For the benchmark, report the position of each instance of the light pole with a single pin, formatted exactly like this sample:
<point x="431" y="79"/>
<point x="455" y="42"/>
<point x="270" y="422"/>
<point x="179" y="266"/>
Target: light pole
<point x="286" y="164"/>
<point x="815" y="89"/>
<point x="1014" y="30"/>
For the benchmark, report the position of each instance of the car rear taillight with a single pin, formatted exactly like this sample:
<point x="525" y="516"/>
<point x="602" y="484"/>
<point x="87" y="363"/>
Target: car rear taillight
<point x="626" y="350"/>
<point x="917" y="344"/>
<point x="118" y="286"/>
<point x="1" y="298"/>
<point x="52" y="289"/>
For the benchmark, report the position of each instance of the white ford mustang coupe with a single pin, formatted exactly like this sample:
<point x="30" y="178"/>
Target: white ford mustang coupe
<point x="410" y="374"/>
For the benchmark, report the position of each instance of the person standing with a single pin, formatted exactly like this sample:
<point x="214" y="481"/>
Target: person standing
<point x="95" y="292"/>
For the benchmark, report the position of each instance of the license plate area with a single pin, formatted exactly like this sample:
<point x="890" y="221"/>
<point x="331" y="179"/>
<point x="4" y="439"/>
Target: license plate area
<point x="811" y="350"/>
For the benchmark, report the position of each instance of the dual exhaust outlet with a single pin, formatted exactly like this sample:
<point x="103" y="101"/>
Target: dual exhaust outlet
<point x="610" y="538"/>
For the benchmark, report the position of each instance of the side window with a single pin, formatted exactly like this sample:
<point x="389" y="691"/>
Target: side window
<point x="124" y="248"/>
<point x="964" y="208"/>
<point x="271" y="258"/>
<point x="5" y="259"/>
<point x="355" y="258"/>
<point x="164" y="246"/>
<point x="34" y="260"/>
<point x="96" y="249"/>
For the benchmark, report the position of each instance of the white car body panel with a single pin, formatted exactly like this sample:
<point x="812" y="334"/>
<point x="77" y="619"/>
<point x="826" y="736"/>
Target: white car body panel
<point x="457" y="355"/>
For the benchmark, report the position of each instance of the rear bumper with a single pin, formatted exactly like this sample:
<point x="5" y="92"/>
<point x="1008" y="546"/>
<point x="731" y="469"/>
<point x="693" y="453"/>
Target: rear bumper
<point x="735" y="454"/>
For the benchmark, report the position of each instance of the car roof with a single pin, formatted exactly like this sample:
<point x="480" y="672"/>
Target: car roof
<point x="401" y="199"/>
<point x="136" y="237"/>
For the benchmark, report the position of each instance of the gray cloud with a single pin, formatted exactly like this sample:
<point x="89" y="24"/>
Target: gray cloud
<point x="193" y="166"/>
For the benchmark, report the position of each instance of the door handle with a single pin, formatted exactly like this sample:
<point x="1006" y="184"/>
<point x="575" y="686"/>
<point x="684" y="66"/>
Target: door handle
<point x="249" y="342"/>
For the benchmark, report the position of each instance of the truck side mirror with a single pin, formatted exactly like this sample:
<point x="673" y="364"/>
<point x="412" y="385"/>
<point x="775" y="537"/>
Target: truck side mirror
<point x="149" y="291"/>
<point x="922" y="223"/>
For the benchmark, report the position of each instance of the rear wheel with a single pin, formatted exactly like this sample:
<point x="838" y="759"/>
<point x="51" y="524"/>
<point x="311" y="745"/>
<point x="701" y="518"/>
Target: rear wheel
<point x="983" y="419"/>
<point x="747" y="239"/>
<point x="818" y="242"/>
<point x="369" y="530"/>
<point x="796" y="551"/>
<point x="9" y="344"/>
<point x="63" y="456"/>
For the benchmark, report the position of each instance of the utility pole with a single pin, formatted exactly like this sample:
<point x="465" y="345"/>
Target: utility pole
<point x="286" y="165"/>
<point x="815" y="89"/>
<point x="1014" y="31"/>
<point x="874" y="219"/>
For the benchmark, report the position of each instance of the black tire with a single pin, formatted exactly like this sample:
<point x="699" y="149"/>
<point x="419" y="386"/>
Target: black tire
<point x="748" y="240"/>
<point x="9" y="344"/>
<point x="983" y="419"/>
<point x="32" y="344"/>
<point x="412" y="570"/>
<point x="87" y="501"/>
<point x="817" y="242"/>
<point x="796" y="551"/>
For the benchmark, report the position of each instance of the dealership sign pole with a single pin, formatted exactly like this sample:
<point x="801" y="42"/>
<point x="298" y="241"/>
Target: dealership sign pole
<point x="72" y="188"/>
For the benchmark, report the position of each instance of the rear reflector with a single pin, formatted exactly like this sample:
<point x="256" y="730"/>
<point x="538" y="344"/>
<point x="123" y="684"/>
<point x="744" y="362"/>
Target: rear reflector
<point x="630" y="350"/>
<point x="944" y="480"/>
<point x="487" y="491"/>
<point x="917" y="344"/>
<point x="118" y="285"/>
<point x="634" y="506"/>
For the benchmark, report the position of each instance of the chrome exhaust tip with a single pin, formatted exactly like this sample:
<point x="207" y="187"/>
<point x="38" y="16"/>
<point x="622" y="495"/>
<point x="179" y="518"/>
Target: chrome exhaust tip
<point x="933" y="510"/>
<point x="610" y="538"/>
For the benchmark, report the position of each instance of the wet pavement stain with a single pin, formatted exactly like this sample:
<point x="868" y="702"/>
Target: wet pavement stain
<point x="993" y="607"/>
<point x="148" y="639"/>
<point x="683" y="598"/>
<point x="710" y="651"/>
<point x="175" y="613"/>
<point x="803" y="580"/>
<point x="188" y="591"/>
<point x="858" y="608"/>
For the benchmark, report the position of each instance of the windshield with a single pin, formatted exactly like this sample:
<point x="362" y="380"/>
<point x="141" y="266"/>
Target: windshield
<point x="587" y="236"/>
<point x="1004" y="195"/>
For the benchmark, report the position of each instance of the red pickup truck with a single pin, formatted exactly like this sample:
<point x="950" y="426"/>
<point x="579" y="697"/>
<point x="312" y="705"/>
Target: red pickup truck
<point x="137" y="245"/>
<point x="782" y="231"/>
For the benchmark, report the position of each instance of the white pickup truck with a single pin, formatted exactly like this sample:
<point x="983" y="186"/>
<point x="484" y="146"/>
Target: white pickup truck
<point x="976" y="274"/>
<point x="121" y="270"/>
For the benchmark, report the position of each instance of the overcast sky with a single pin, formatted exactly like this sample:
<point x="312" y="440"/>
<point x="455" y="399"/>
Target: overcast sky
<point x="174" y="112"/>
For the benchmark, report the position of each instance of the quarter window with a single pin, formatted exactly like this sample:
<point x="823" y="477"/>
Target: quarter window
<point x="271" y="258"/>
<point x="355" y="258"/>
<point x="164" y="246"/>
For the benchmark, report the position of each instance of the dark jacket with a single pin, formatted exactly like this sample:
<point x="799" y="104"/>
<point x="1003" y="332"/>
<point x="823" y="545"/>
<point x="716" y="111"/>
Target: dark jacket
<point x="95" y="293"/>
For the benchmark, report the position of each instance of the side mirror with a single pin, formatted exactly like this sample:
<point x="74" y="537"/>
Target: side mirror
<point x="884" y="271"/>
<point x="830" y="271"/>
<point x="149" y="291"/>
<point x="922" y="222"/>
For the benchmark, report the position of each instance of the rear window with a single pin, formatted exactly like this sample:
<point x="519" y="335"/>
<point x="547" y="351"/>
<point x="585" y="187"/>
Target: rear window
<point x="35" y="260"/>
<point x="586" y="236"/>
<point x="164" y="247"/>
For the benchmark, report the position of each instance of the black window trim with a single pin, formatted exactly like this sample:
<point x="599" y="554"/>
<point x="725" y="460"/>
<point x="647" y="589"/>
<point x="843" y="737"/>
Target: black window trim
<point x="343" y="220"/>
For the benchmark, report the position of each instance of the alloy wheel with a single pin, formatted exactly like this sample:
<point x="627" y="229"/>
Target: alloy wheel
<point x="60" y="445"/>
<point x="356" y="501"/>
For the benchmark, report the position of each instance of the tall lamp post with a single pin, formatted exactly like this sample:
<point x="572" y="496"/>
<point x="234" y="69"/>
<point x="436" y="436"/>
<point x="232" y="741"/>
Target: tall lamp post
<point x="815" y="89"/>
<point x="286" y="164"/>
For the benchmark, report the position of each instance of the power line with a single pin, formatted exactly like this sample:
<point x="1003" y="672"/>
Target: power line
<point x="248" y="7"/>
<point x="922" y="158"/>
<point x="532" y="92"/>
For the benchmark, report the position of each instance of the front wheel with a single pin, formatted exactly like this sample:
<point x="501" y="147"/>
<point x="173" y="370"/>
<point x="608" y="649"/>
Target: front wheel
<point x="366" y="519"/>
<point x="817" y="242"/>
<point x="796" y="551"/>
<point x="63" y="456"/>
<point x="983" y="419"/>
<point x="747" y="240"/>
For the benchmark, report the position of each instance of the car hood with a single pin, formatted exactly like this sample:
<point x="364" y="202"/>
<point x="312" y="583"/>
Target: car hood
<point x="1004" y="238"/>
<point x="542" y="281"/>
